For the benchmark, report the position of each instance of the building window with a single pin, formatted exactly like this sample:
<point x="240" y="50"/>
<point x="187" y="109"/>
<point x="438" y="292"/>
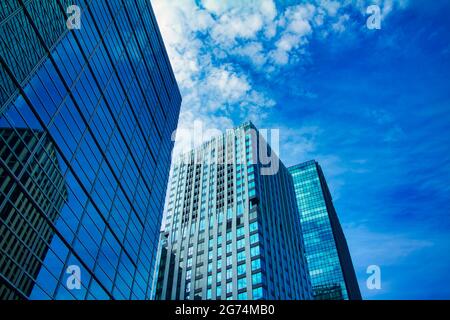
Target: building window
<point x="242" y="283"/>
<point x="241" y="269"/>
<point x="254" y="238"/>
<point x="229" y="213"/>
<point x="240" y="209"/>
<point x="254" y="251"/>
<point x="218" y="291"/>
<point x="229" y="261"/>
<point x="209" y="280"/>
<point x="241" y="256"/>
<point x="256" y="264"/>
<point x="256" y="278"/>
<point x="257" y="293"/>
<point x="239" y="232"/>
<point x="242" y="296"/>
<point x="229" y="274"/>
<point x="240" y="243"/>
<point x="229" y="287"/>
<point x="202" y="224"/>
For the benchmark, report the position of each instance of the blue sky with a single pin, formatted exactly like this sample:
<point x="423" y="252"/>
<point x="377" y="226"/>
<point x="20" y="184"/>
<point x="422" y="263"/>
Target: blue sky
<point x="372" y="106"/>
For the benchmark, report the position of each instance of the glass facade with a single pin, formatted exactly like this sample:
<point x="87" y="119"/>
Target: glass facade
<point x="24" y="250"/>
<point x="230" y="232"/>
<point x="329" y="261"/>
<point x="85" y="149"/>
<point x="19" y="45"/>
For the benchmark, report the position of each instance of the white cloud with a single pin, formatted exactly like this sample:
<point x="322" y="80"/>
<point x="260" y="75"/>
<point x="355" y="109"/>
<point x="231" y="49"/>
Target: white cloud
<point x="340" y="25"/>
<point x="240" y="20"/>
<point x="208" y="40"/>
<point x="331" y="7"/>
<point x="254" y="51"/>
<point x="298" y="144"/>
<point x="216" y="7"/>
<point x="296" y="26"/>
<point x="233" y="26"/>
<point x="228" y="84"/>
<point x="378" y="248"/>
<point x="213" y="91"/>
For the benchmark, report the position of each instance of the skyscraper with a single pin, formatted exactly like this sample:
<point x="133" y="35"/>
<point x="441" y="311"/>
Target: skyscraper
<point x="105" y="99"/>
<point x="329" y="261"/>
<point x="232" y="229"/>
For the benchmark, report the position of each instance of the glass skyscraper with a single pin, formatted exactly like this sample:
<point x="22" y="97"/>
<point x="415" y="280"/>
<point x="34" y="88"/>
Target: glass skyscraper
<point x="329" y="261"/>
<point x="85" y="146"/>
<point x="232" y="229"/>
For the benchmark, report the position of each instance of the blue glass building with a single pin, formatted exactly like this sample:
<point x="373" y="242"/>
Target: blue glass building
<point x="85" y="147"/>
<point x="232" y="229"/>
<point x="329" y="261"/>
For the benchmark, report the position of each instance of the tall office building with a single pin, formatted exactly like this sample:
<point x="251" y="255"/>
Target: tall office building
<point x="105" y="98"/>
<point x="19" y="45"/>
<point x="329" y="261"/>
<point x="231" y="229"/>
<point x="25" y="234"/>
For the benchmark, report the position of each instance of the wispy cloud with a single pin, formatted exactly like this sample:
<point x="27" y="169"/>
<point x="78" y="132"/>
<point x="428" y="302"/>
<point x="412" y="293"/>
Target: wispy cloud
<point x="381" y="248"/>
<point x="216" y="46"/>
<point x="197" y="36"/>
